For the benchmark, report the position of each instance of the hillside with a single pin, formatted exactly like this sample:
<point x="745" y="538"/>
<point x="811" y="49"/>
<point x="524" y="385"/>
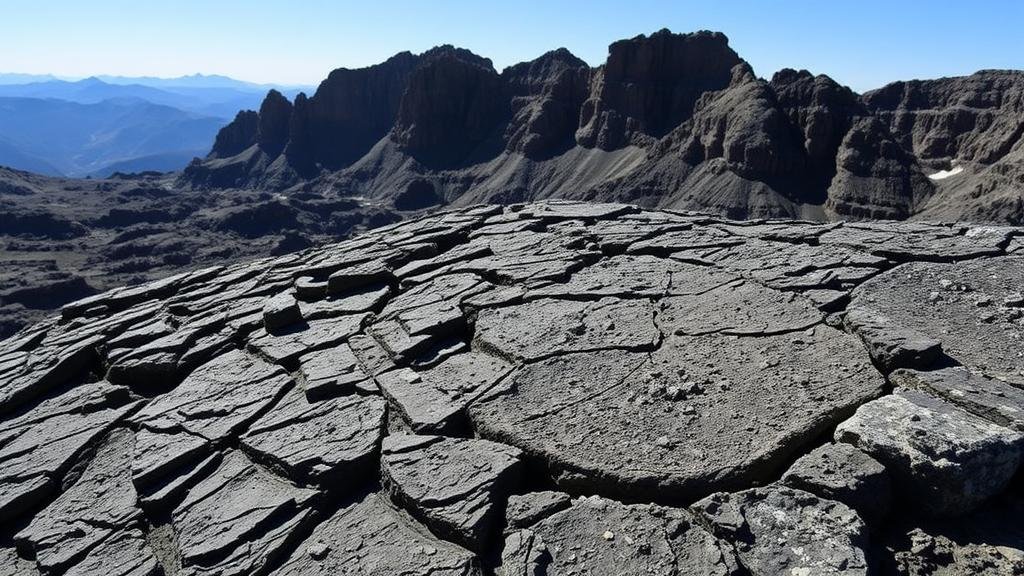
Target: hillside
<point x="538" y="390"/>
<point x="669" y="120"/>
<point x="62" y="239"/>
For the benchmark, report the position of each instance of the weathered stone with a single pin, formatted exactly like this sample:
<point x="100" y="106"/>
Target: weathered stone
<point x="455" y="486"/>
<point x="39" y="446"/>
<point x="333" y="442"/>
<point x="280" y="311"/>
<point x="544" y="328"/>
<point x="988" y="542"/>
<point x="73" y="533"/>
<point x="890" y="345"/>
<point x="782" y="531"/>
<point x="231" y="519"/>
<point x="360" y="275"/>
<point x="286" y="345"/>
<point x="218" y="399"/>
<point x="434" y="400"/>
<point x="332" y="372"/>
<point x="989" y="398"/>
<point x="716" y="410"/>
<point x="843" y="473"/>
<point x="941" y="302"/>
<point x="943" y="460"/>
<point x="371" y="537"/>
<point x="600" y="536"/>
<point x="527" y="509"/>
<point x="739" y="308"/>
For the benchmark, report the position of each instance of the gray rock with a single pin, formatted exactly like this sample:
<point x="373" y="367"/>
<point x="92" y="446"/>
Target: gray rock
<point x="739" y="410"/>
<point x="236" y="519"/>
<point x="600" y="536"/>
<point x="74" y="534"/>
<point x="332" y="372"/>
<point x="434" y="400"/>
<point x="286" y="345"/>
<point x="942" y="460"/>
<point x="455" y="486"/>
<point x="843" y="473"/>
<point x="890" y="345"/>
<point x="544" y="328"/>
<point x="371" y="537"/>
<point x="786" y="532"/>
<point x="991" y="399"/>
<point x="360" y="275"/>
<point x="39" y="446"/>
<point x="332" y="442"/>
<point x="986" y="340"/>
<point x="280" y="311"/>
<point x="219" y="399"/>
<point x="527" y="509"/>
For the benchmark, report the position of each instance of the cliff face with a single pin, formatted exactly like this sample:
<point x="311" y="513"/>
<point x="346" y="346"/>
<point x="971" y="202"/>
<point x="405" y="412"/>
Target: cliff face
<point x="649" y="85"/>
<point x="546" y="96"/>
<point x="669" y="120"/>
<point x="453" y="101"/>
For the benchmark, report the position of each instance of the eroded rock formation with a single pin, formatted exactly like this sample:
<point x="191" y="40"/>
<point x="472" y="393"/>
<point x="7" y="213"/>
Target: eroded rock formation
<point x="551" y="388"/>
<point x="668" y="120"/>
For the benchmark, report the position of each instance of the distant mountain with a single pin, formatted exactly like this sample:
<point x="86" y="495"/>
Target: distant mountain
<point x="16" y="78"/>
<point x="74" y="139"/>
<point x="209" y="100"/>
<point x="11" y="155"/>
<point x="200" y="81"/>
<point x="669" y="121"/>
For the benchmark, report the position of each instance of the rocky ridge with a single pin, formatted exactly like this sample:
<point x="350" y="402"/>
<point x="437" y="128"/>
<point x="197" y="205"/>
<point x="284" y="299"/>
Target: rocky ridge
<point x="550" y="388"/>
<point x="668" y="120"/>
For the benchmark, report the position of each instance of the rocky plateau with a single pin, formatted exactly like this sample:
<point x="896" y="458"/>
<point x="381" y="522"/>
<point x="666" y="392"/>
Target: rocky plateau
<point x="550" y="388"/>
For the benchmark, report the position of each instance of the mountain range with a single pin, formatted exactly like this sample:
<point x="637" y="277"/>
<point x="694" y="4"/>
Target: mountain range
<point x="100" y="125"/>
<point x="669" y="120"/>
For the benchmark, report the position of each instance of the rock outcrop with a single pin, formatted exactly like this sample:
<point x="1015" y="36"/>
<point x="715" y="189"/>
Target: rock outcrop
<point x="549" y="388"/>
<point x="668" y="120"/>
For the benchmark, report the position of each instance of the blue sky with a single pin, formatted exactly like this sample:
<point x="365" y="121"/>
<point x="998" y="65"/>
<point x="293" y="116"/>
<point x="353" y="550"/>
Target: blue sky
<point x="861" y="43"/>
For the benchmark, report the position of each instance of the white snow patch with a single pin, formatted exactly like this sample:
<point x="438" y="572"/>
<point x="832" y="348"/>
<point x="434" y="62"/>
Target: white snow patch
<point x="943" y="174"/>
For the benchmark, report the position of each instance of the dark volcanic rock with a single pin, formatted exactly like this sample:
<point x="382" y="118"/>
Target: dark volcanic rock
<point x="361" y="407"/>
<point x="601" y="536"/>
<point x="650" y="84"/>
<point x="453" y="102"/>
<point x="782" y="531"/>
<point x="461" y="496"/>
<point x="371" y="537"/>
<point x="353" y="109"/>
<point x="843" y="473"/>
<point x="332" y="442"/>
<point x="944" y="460"/>
<point x="93" y="527"/>
<point x="236" y="136"/>
<point x="546" y="97"/>
<point x="274" y="123"/>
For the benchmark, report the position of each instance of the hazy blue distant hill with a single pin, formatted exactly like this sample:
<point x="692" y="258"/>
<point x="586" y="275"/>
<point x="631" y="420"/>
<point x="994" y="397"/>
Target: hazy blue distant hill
<point x="13" y="157"/>
<point x="77" y="139"/>
<point x="17" y="78"/>
<point x="223" y="101"/>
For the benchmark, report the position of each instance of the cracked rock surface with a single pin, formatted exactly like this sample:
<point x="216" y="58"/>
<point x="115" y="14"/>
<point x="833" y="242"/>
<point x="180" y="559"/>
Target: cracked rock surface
<point x="539" y="389"/>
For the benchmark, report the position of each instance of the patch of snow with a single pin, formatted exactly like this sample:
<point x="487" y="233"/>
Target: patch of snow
<point x="943" y="174"/>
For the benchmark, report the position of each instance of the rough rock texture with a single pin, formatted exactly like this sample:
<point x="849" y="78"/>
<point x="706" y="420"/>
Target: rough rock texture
<point x="600" y="536"/>
<point x="436" y="396"/>
<point x="942" y="459"/>
<point x="786" y="531"/>
<point x="843" y="473"/>
<point x="667" y="120"/>
<point x="453" y="485"/>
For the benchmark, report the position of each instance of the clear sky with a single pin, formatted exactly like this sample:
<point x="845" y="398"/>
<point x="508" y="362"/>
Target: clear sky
<point x="861" y="43"/>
